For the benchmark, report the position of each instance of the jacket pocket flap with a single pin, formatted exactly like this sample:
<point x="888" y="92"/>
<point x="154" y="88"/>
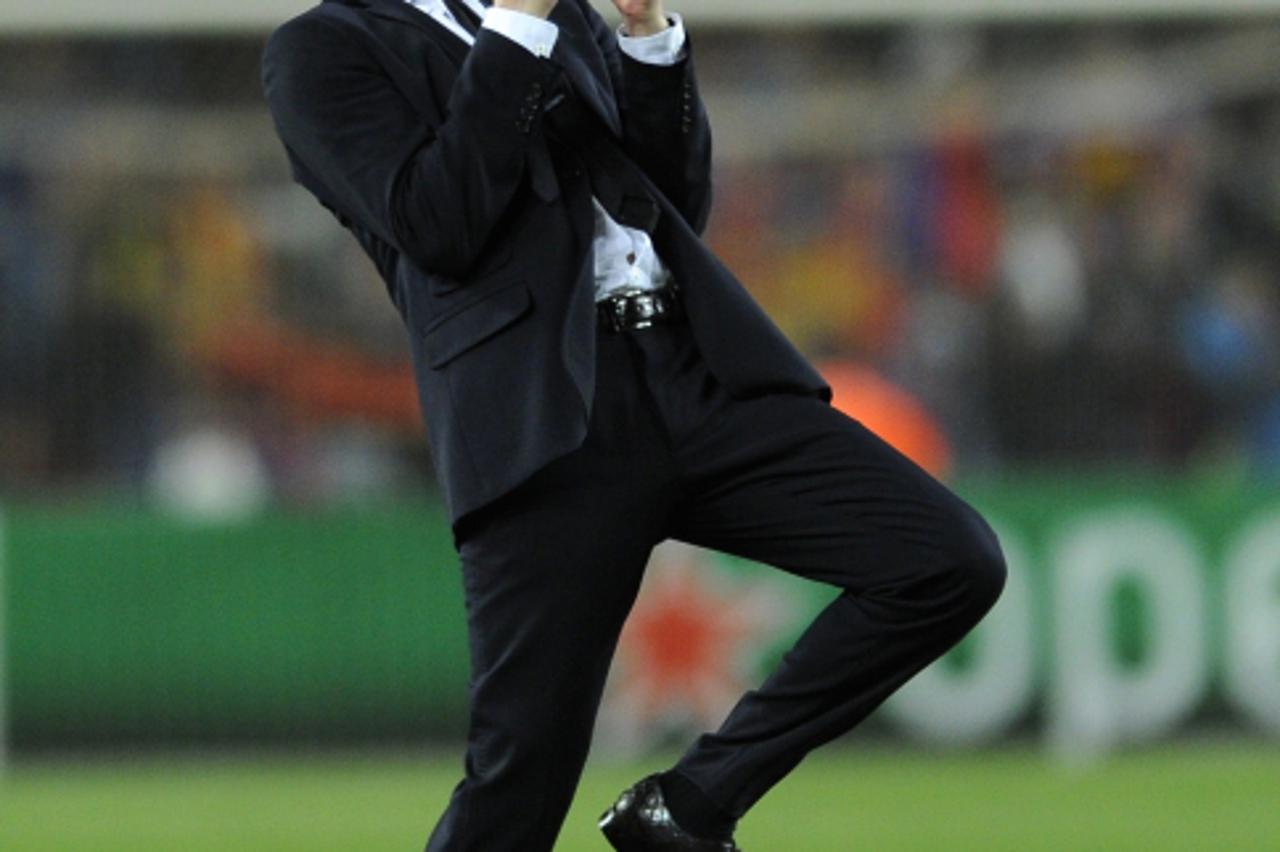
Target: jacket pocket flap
<point x="454" y="334"/>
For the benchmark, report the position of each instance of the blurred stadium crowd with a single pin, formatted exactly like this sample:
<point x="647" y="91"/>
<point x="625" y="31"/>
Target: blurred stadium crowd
<point x="1063" y="239"/>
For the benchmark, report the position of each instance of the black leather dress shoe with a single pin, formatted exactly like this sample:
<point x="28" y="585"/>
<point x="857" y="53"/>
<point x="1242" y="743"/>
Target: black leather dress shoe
<point x="640" y="822"/>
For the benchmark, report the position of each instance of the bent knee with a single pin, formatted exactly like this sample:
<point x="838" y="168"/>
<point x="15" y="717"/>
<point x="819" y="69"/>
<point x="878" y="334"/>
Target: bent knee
<point x="977" y="564"/>
<point x="956" y="581"/>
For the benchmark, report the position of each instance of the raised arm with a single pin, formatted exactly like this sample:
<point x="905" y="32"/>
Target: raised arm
<point x="432" y="188"/>
<point x="665" y="125"/>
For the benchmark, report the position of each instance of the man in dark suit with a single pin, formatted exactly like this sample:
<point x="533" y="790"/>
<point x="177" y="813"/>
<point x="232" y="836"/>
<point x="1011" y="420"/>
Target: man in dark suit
<point x="531" y="186"/>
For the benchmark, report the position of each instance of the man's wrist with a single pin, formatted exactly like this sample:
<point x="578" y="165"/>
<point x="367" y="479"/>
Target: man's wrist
<point x="646" y="26"/>
<point x="663" y="48"/>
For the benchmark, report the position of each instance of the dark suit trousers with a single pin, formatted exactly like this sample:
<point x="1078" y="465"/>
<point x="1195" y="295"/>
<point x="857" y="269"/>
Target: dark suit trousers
<point x="551" y="570"/>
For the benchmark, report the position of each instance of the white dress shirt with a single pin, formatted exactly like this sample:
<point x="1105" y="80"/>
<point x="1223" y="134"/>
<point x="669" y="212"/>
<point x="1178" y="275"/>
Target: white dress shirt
<point x="625" y="258"/>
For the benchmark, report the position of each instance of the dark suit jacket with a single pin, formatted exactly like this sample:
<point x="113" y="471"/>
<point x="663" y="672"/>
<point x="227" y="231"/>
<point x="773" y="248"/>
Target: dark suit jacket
<point x="437" y="158"/>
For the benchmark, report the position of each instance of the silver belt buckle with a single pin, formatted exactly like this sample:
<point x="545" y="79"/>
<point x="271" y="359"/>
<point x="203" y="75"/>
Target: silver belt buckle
<point x="646" y="308"/>
<point x="636" y="309"/>
<point x="616" y="310"/>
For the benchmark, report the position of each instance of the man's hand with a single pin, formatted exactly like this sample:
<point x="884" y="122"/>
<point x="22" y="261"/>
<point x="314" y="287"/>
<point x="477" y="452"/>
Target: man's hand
<point x="537" y="8"/>
<point x="642" y="17"/>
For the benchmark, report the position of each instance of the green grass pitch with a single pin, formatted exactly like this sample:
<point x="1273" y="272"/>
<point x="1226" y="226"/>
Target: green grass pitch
<point x="1186" y="797"/>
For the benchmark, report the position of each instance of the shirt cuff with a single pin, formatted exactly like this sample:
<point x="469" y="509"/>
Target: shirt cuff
<point x="664" y="48"/>
<point x="534" y="34"/>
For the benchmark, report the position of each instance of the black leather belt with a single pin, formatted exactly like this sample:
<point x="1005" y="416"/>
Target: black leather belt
<point x="634" y="309"/>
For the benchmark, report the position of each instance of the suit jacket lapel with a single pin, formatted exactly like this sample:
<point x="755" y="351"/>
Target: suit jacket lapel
<point x="583" y="63"/>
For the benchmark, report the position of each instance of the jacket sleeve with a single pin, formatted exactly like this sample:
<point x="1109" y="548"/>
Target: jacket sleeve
<point x="665" y="125"/>
<point x="432" y="187"/>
